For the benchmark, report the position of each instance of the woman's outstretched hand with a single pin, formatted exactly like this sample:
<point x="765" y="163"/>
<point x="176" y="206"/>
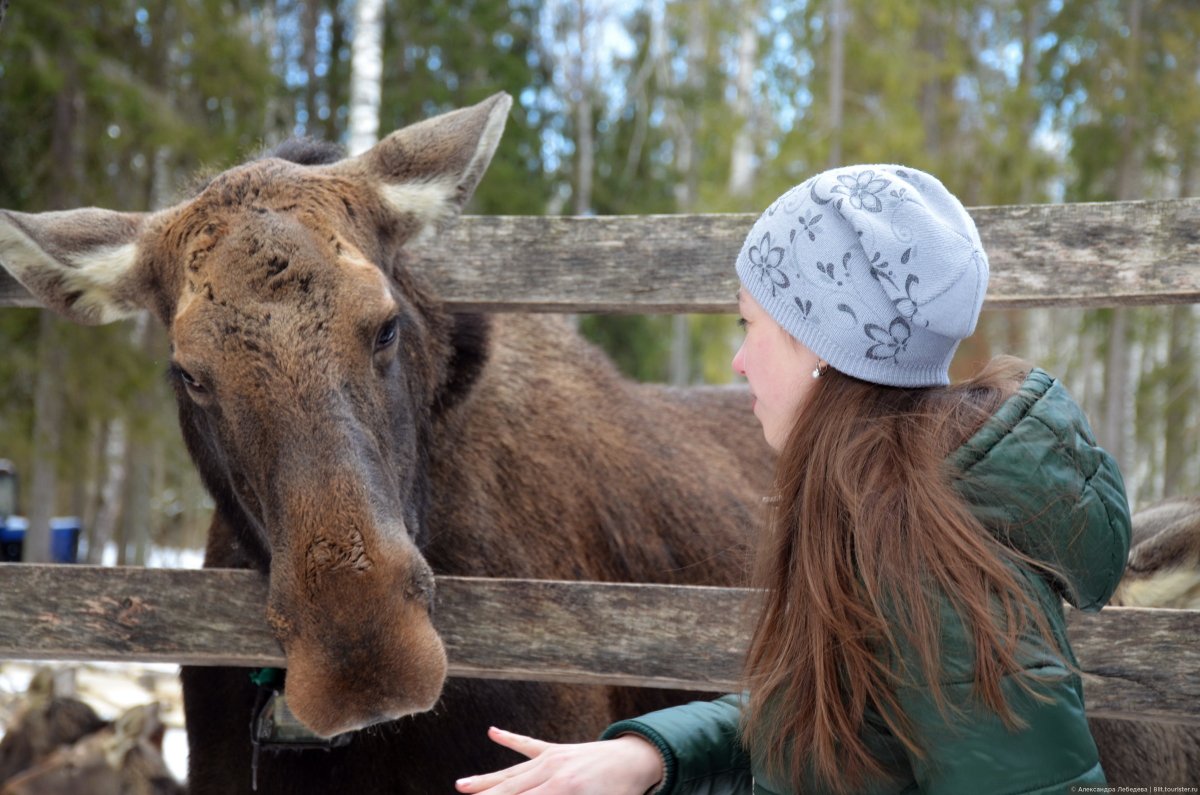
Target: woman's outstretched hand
<point x="627" y="765"/>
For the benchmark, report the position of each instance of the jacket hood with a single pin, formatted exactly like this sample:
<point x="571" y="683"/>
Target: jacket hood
<point x="1035" y="476"/>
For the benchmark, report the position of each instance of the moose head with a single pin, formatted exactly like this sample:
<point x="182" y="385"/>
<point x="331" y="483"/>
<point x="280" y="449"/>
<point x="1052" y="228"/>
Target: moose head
<point x="309" y="365"/>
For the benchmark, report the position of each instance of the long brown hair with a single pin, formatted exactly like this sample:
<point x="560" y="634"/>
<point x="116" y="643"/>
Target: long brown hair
<point x="866" y="531"/>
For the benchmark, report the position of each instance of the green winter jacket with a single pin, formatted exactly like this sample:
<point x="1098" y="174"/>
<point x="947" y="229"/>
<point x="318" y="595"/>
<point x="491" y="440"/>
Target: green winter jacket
<point x="1035" y="469"/>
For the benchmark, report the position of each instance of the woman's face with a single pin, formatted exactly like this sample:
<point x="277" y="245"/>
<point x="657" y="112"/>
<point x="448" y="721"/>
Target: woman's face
<point x="778" y="367"/>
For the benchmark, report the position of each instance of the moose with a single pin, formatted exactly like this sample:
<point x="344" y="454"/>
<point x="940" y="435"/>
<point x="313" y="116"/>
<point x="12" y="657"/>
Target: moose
<point x="1163" y="571"/>
<point x="1164" y="558"/>
<point x="123" y="757"/>
<point x="358" y="436"/>
<point x="45" y="721"/>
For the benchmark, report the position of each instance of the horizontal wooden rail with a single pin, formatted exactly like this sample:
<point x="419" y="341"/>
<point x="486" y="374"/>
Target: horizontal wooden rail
<point x="1104" y="254"/>
<point x="1137" y="662"/>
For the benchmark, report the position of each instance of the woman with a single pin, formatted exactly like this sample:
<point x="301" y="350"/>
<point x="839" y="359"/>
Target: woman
<point x="911" y="635"/>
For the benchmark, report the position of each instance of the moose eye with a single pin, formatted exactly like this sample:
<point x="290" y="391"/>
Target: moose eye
<point x="387" y="334"/>
<point x="188" y="380"/>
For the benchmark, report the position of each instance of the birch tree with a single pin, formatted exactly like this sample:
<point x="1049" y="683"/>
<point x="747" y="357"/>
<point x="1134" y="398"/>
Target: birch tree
<point x="837" y="79"/>
<point x="687" y="132"/>
<point x="742" y="155"/>
<point x="1117" y="423"/>
<point x="1180" y="388"/>
<point x="366" y="76"/>
<point x="112" y="492"/>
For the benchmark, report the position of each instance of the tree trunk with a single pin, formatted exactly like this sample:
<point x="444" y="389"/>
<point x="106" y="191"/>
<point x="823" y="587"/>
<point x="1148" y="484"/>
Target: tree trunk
<point x="741" y="160"/>
<point x="311" y="18"/>
<point x="582" y="93"/>
<point x="48" y="408"/>
<point x="98" y="436"/>
<point x="930" y="35"/>
<point x="1119" y="391"/>
<point x="366" y="76"/>
<point x="1180" y="386"/>
<point x="1030" y="32"/>
<point x="1181" y="399"/>
<point x="687" y="157"/>
<point x="585" y="153"/>
<point x="112" y="493"/>
<point x="280" y="111"/>
<point x="1116" y="427"/>
<point x="837" y="79"/>
<point x="333" y="82"/>
<point x="135" y="527"/>
<point x="1129" y="168"/>
<point x="654" y="65"/>
<point x="688" y="163"/>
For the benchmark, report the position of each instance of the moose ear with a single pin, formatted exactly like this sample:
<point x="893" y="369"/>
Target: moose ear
<point x="430" y="169"/>
<point x="80" y="263"/>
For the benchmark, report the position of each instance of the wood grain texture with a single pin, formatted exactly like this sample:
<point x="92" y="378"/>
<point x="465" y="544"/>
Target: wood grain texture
<point x="1103" y="254"/>
<point x="1138" y="662"/>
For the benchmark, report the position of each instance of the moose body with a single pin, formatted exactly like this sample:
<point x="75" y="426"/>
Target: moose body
<point x="357" y="436"/>
<point x="1163" y="571"/>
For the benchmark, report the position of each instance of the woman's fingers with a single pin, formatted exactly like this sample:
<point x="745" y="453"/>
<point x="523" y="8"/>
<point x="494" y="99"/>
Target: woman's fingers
<point x="504" y="782"/>
<point x="527" y="746"/>
<point x="488" y="780"/>
<point x="627" y="765"/>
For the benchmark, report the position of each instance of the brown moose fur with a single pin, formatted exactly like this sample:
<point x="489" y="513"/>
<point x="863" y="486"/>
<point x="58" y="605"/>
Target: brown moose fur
<point x="1164" y="557"/>
<point x="1163" y="571"/>
<point x="44" y="722"/>
<point x="123" y="758"/>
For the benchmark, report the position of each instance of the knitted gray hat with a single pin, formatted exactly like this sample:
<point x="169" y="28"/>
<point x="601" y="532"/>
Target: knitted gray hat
<point x="877" y="269"/>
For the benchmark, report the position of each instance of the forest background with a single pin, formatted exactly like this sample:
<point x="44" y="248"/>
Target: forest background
<point x="621" y="108"/>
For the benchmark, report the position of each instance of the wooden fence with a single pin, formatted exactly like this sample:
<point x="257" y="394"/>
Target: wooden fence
<point x="1137" y="662"/>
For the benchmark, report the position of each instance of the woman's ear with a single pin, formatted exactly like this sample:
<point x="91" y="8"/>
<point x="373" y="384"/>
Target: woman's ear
<point x="80" y="263"/>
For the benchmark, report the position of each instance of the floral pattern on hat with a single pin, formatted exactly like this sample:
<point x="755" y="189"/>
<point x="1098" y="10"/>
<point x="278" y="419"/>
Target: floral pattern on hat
<point x="889" y="342"/>
<point x="766" y="259"/>
<point x="877" y="268"/>
<point x="861" y="188"/>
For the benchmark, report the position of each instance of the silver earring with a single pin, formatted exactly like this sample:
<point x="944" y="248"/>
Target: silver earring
<point x="818" y="371"/>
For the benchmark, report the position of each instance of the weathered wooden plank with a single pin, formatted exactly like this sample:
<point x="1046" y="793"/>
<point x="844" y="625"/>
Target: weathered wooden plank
<point x="602" y="633"/>
<point x="152" y="615"/>
<point x="11" y="292"/>
<point x="1098" y="254"/>
<point x="1138" y="662"/>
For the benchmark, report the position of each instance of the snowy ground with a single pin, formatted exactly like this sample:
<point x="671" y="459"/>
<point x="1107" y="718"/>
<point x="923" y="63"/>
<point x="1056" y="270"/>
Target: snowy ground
<point x="111" y="688"/>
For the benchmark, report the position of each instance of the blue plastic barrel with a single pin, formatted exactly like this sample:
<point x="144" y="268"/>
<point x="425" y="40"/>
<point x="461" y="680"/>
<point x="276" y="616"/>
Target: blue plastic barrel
<point x="64" y="538"/>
